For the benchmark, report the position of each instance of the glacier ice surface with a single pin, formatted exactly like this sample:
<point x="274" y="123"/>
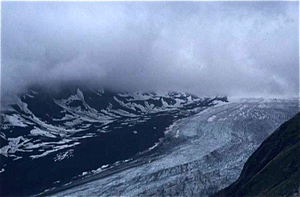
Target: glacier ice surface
<point x="199" y="155"/>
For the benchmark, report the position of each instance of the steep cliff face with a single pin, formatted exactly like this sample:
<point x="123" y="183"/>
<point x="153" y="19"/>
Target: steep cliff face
<point x="273" y="169"/>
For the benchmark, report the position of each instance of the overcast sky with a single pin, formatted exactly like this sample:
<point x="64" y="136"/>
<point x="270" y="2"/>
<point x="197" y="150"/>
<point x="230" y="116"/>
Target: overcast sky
<point x="205" y="48"/>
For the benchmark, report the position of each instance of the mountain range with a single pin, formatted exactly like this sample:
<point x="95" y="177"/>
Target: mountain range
<point x="50" y="137"/>
<point x="82" y="141"/>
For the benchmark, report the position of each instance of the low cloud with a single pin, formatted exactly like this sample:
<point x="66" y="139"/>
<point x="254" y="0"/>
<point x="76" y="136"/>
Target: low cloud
<point x="206" y="48"/>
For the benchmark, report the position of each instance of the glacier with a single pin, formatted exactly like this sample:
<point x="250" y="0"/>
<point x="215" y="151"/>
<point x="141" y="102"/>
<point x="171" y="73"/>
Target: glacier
<point x="85" y="142"/>
<point x="199" y="155"/>
<point x="49" y="138"/>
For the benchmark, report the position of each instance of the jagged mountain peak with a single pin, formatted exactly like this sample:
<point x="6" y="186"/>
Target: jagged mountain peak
<point x="102" y="99"/>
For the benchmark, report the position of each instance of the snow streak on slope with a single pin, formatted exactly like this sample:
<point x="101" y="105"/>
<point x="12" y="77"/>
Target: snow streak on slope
<point x="199" y="156"/>
<point x="58" y="136"/>
<point x="76" y="114"/>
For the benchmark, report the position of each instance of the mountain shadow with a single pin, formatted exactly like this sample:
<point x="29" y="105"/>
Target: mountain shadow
<point x="273" y="169"/>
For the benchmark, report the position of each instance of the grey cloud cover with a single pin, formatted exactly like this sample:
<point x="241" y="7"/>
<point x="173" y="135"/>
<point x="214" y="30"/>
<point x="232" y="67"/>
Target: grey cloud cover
<point x="206" y="48"/>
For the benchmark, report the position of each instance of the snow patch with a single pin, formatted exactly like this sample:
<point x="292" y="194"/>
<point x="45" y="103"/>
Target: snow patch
<point x="61" y="156"/>
<point x="15" y="120"/>
<point x="14" y="146"/>
<point x="40" y="132"/>
<point x="54" y="150"/>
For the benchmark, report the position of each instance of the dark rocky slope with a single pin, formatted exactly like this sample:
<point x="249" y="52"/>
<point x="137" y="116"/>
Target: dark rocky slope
<point x="273" y="169"/>
<point x="50" y="137"/>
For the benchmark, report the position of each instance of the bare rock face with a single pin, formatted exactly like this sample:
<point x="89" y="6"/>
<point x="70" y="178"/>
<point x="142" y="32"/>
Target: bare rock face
<point x="198" y="156"/>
